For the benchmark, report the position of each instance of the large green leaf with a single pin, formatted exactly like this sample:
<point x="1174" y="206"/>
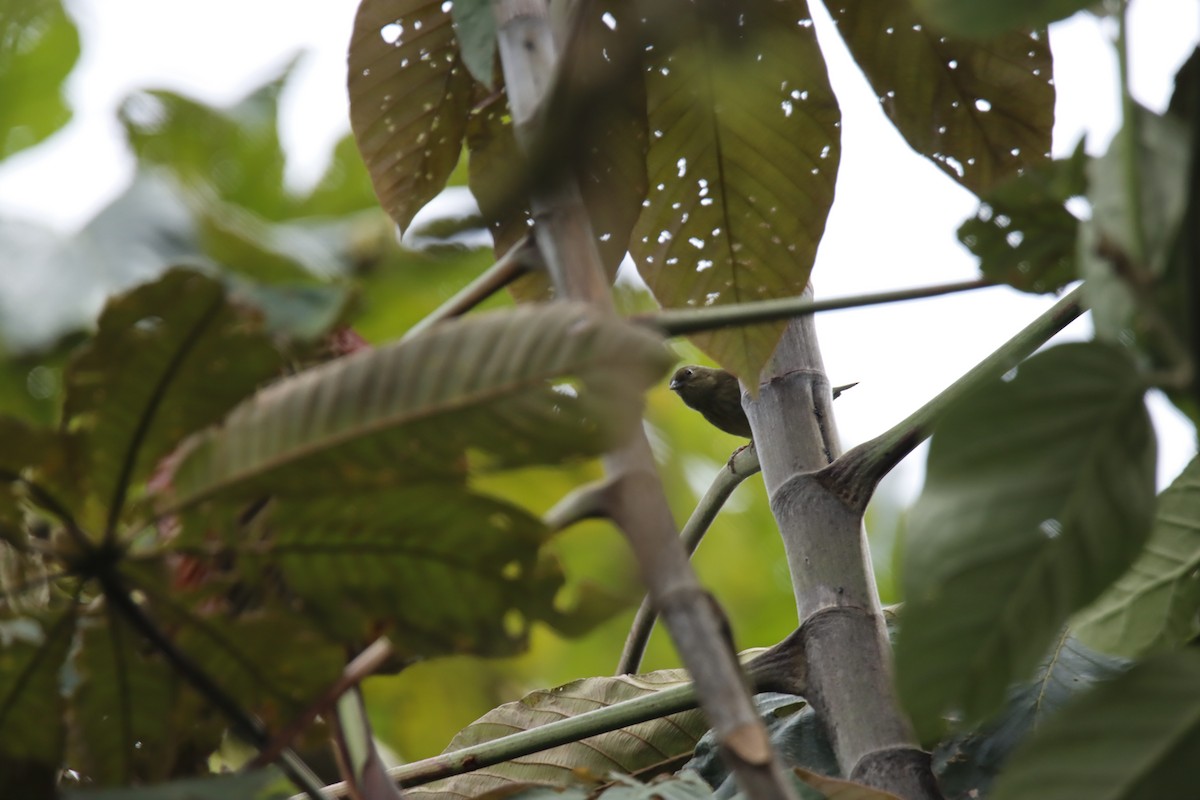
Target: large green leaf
<point x="979" y="110"/>
<point x="32" y="731"/>
<point x="233" y="151"/>
<point x="1039" y="493"/>
<point x="1153" y="605"/>
<point x="968" y="763"/>
<point x="439" y="569"/>
<point x="531" y="385"/>
<point x="1108" y="247"/>
<point x="409" y="98"/>
<point x="121" y="701"/>
<point x="622" y="751"/>
<point x="972" y="18"/>
<point x="1137" y="738"/>
<point x="168" y="358"/>
<point x="1023" y="234"/>
<point x="38" y="48"/>
<point x="744" y="150"/>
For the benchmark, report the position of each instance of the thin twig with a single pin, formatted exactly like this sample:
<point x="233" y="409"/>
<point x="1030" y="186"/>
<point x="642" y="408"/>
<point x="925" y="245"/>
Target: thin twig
<point x="534" y="740"/>
<point x="520" y="259"/>
<point x="676" y="322"/>
<point x="856" y="473"/>
<point x="740" y="466"/>
<point x="778" y="669"/>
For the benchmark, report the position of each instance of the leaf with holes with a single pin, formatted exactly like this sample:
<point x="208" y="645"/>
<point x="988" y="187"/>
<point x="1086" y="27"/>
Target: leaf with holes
<point x="38" y="48"/>
<point x="438" y="568"/>
<point x="624" y="751"/>
<point x="1023" y="233"/>
<point x="167" y="359"/>
<point x="525" y="386"/>
<point x="1136" y="737"/>
<point x="1153" y="606"/>
<point x="598" y="108"/>
<point x="32" y="733"/>
<point x="1039" y="493"/>
<point x="744" y="150"/>
<point x="409" y="98"/>
<point x="121" y="725"/>
<point x="979" y="110"/>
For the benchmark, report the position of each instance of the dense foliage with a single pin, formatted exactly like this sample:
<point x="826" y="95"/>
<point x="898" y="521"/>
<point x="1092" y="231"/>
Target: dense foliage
<point x="252" y="466"/>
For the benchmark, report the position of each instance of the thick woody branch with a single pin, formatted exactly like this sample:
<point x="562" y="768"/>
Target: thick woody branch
<point x="740" y="466"/>
<point x="847" y="659"/>
<point x="639" y="506"/>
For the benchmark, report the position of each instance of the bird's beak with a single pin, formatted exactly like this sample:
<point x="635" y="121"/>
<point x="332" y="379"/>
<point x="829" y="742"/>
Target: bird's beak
<point x="674" y="385"/>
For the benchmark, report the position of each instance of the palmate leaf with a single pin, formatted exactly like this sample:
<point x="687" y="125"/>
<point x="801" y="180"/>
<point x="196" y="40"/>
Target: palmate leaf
<point x="168" y="358"/>
<point x="409" y="98"/>
<point x="1039" y="493"/>
<point x="268" y="659"/>
<point x="744" y="150"/>
<point x="530" y="385"/>
<point x="438" y="569"/>
<point x="1153" y="605"/>
<point x="121" y="701"/>
<point x="622" y="751"/>
<point x="32" y="730"/>
<point x="979" y="110"/>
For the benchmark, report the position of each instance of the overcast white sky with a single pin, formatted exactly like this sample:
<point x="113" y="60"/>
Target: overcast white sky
<point x="892" y="225"/>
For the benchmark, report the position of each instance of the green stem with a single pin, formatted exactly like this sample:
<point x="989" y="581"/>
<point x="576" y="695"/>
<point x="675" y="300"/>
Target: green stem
<point x="859" y="470"/>
<point x="676" y="322"/>
<point x="564" y="731"/>
<point x="512" y="265"/>
<point x="244" y="725"/>
<point x="1130" y="141"/>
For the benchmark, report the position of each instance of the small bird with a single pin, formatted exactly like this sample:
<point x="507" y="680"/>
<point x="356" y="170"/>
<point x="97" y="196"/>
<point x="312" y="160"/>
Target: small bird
<point x="716" y="394"/>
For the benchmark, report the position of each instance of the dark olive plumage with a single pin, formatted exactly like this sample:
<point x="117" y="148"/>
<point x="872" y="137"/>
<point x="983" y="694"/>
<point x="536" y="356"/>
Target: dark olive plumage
<point x="716" y="394"/>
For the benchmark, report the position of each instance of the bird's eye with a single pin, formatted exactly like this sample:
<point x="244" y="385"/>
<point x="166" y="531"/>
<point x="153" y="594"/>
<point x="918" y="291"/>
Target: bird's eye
<point x="688" y="372"/>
